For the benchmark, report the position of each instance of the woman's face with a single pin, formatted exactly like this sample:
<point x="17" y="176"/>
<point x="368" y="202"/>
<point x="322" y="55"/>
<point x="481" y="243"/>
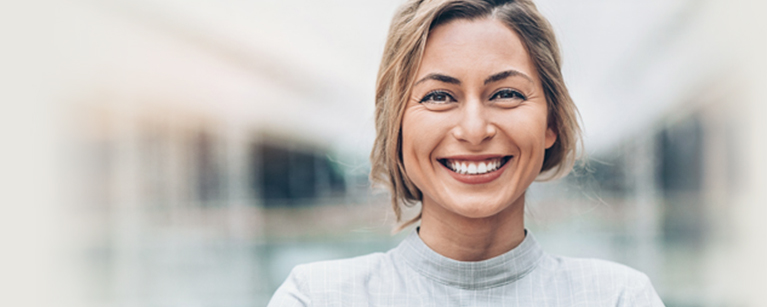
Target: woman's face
<point x="475" y="128"/>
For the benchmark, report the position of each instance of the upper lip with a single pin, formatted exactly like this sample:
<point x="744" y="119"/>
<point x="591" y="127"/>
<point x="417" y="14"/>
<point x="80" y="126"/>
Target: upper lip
<point x="473" y="157"/>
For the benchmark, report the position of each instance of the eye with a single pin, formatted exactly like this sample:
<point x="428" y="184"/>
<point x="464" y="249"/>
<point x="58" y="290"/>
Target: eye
<point x="508" y="94"/>
<point x="437" y="97"/>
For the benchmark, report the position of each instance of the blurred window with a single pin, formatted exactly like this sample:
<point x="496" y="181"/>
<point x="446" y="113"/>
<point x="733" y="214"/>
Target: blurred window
<point x="288" y="177"/>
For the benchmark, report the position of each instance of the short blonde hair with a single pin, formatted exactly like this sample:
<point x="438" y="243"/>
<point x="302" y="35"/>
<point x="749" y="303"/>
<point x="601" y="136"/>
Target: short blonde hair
<point x="401" y="59"/>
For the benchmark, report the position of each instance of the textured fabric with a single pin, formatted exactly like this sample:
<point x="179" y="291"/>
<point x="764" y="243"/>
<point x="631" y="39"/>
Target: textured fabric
<point x="414" y="275"/>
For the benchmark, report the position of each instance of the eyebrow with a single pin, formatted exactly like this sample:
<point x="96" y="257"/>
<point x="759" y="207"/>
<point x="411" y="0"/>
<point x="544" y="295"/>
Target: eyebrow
<point x="439" y="77"/>
<point x="494" y="78"/>
<point x="505" y="74"/>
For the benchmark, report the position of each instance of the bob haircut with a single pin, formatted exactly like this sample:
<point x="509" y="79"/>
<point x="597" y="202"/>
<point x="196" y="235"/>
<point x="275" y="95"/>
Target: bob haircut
<point x="402" y="57"/>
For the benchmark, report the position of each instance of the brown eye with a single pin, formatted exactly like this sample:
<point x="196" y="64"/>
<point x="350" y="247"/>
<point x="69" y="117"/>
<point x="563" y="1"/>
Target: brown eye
<point x="437" y="97"/>
<point x="508" y="94"/>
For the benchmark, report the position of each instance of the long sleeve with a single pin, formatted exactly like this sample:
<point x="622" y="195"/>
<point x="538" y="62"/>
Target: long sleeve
<point x="291" y="293"/>
<point x="642" y="294"/>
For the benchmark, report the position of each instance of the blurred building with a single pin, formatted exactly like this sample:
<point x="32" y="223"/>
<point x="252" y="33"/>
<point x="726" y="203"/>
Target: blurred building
<point x="189" y="154"/>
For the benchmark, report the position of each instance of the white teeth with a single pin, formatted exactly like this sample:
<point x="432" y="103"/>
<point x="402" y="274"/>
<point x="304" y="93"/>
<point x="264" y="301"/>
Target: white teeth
<point x="474" y="168"/>
<point x="482" y="168"/>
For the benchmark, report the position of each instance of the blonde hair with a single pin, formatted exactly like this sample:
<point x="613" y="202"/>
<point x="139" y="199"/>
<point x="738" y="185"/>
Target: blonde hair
<point x="401" y="59"/>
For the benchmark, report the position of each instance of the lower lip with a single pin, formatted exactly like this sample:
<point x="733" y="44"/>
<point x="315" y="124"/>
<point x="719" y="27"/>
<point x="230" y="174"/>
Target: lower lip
<point x="477" y="179"/>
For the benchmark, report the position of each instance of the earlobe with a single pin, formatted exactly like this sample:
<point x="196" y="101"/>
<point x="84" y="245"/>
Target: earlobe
<point x="551" y="137"/>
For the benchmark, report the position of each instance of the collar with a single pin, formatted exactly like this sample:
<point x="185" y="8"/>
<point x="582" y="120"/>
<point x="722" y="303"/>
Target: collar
<point x="490" y="273"/>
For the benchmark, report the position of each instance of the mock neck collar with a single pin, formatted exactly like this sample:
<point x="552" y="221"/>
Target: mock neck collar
<point x="493" y="272"/>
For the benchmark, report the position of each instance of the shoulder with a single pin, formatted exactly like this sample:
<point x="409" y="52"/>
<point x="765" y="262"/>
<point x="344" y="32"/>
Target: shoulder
<point x="311" y="283"/>
<point x="604" y="279"/>
<point x="590" y="269"/>
<point x="341" y="270"/>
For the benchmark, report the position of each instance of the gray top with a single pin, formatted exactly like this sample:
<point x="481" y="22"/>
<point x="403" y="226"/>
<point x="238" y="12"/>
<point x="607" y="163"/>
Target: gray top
<point x="414" y="275"/>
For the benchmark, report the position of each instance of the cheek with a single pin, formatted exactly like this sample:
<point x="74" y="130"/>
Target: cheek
<point x="527" y="130"/>
<point x="409" y="156"/>
<point x="419" y="140"/>
<point x="408" y="152"/>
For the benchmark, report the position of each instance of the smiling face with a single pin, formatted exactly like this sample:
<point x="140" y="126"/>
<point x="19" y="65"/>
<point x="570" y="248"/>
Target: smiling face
<point x="475" y="129"/>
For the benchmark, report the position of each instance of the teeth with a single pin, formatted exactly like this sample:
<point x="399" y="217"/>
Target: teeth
<point x="474" y="168"/>
<point x="481" y="168"/>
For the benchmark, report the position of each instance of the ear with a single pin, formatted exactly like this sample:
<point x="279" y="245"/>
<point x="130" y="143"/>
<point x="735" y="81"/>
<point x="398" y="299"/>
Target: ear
<point x="551" y="137"/>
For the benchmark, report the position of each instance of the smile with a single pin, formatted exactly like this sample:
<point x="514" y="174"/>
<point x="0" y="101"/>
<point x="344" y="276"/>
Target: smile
<point x="469" y="167"/>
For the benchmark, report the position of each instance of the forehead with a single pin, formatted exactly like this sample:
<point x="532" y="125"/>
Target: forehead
<point x="475" y="47"/>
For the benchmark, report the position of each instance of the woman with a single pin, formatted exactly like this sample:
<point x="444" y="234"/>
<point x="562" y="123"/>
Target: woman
<point x="471" y="108"/>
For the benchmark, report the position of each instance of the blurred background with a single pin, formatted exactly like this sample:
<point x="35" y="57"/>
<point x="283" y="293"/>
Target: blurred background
<point x="190" y="153"/>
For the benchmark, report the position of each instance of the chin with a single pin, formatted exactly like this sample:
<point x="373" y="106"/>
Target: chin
<point x="477" y="214"/>
<point x="480" y="208"/>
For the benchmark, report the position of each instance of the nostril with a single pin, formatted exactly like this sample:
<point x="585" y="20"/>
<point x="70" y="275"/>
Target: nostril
<point x="491" y="130"/>
<point x="475" y="134"/>
<point x="475" y="126"/>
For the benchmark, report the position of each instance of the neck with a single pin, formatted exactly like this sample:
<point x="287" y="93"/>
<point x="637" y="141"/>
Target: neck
<point x="472" y="239"/>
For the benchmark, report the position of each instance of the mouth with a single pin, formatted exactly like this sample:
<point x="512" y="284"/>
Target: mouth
<point x="475" y="167"/>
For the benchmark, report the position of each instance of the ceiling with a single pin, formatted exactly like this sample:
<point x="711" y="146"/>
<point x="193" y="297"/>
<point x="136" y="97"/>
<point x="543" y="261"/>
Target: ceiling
<point x="626" y="63"/>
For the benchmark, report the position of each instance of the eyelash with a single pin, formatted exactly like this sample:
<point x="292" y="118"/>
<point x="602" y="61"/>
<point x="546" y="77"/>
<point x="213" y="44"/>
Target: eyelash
<point x="430" y="96"/>
<point x="514" y="94"/>
<point x="496" y="95"/>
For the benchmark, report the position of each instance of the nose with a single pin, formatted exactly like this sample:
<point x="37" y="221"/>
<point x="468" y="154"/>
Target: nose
<point x="474" y="126"/>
